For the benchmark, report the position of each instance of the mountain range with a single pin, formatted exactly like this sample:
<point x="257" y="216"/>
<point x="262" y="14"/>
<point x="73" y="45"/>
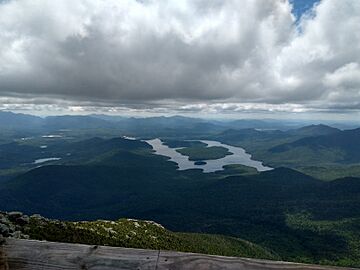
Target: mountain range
<point x="87" y="168"/>
<point x="279" y="210"/>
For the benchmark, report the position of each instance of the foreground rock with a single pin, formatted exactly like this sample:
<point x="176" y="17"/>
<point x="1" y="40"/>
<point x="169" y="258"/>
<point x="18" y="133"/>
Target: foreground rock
<point x="14" y="225"/>
<point x="130" y="233"/>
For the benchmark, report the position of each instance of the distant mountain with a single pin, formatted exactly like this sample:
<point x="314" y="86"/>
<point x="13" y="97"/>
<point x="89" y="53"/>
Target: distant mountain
<point x="250" y="133"/>
<point x="343" y="144"/>
<point x="19" y="121"/>
<point x="172" y="126"/>
<point x="170" y="122"/>
<point x="111" y="118"/>
<point x="266" y="124"/>
<point x="314" y="130"/>
<point x="75" y="122"/>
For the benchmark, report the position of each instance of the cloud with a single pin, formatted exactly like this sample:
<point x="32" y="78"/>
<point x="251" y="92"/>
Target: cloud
<point x="180" y="53"/>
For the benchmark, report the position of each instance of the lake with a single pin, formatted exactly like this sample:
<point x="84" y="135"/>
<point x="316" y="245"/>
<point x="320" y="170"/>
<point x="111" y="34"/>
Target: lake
<point x="239" y="156"/>
<point x="42" y="160"/>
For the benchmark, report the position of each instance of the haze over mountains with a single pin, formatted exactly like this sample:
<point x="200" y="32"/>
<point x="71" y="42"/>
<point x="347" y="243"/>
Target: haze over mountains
<point x="13" y="121"/>
<point x="284" y="144"/>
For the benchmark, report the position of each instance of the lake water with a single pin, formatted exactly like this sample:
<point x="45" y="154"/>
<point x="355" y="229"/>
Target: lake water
<point x="239" y="156"/>
<point x="42" y="160"/>
<point x="51" y="136"/>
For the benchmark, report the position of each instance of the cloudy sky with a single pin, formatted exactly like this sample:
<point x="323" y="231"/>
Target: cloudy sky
<point x="230" y="57"/>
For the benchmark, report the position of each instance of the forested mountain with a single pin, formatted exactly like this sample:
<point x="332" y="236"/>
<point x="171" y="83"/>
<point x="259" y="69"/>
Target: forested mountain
<point x="18" y="121"/>
<point x="343" y="144"/>
<point x="280" y="210"/>
<point x="314" y="130"/>
<point x="84" y="168"/>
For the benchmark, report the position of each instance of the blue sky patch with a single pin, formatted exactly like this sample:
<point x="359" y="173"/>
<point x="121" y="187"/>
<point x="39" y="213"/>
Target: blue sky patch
<point x="301" y="6"/>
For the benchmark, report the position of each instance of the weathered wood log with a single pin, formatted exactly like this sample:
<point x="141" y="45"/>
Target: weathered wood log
<point x="178" y="260"/>
<point x="36" y="255"/>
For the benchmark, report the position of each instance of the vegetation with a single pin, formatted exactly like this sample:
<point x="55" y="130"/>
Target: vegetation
<point x="340" y="147"/>
<point x="181" y="143"/>
<point x="132" y="233"/>
<point x="321" y="151"/>
<point x="204" y="153"/>
<point x="237" y="169"/>
<point x="329" y="173"/>
<point x="286" y="211"/>
<point x="200" y="162"/>
<point x="117" y="178"/>
<point x="347" y="228"/>
<point x="326" y="147"/>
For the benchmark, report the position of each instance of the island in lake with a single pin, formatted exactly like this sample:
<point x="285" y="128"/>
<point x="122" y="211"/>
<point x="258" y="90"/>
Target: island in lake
<point x="199" y="153"/>
<point x="200" y="162"/>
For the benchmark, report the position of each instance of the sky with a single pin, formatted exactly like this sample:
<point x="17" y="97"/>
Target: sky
<point x="248" y="58"/>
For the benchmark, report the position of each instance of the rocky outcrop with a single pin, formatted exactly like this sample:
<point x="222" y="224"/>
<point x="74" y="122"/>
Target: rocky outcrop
<point x="130" y="233"/>
<point x="14" y="225"/>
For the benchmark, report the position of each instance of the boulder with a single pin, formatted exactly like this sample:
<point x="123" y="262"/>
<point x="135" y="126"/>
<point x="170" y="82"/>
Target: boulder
<point x="12" y="228"/>
<point x="2" y="239"/>
<point x="4" y="230"/>
<point x="14" y="215"/>
<point x="23" y="220"/>
<point x="17" y="234"/>
<point x="4" y="220"/>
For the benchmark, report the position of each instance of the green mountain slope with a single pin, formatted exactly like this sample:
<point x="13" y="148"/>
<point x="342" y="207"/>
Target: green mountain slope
<point x="144" y="234"/>
<point x="116" y="181"/>
<point x="315" y="130"/>
<point x="337" y="148"/>
<point x="128" y="233"/>
<point x="252" y="207"/>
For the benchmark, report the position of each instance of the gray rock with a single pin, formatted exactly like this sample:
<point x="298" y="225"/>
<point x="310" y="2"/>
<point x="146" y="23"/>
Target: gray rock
<point x="37" y="216"/>
<point x="23" y="220"/>
<point x="25" y="236"/>
<point x="14" y="215"/>
<point x="2" y="239"/>
<point x="4" y="230"/>
<point x="17" y="235"/>
<point x="12" y="228"/>
<point x="4" y="220"/>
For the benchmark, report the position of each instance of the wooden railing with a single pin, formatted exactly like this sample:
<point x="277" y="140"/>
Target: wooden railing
<point x="39" y="255"/>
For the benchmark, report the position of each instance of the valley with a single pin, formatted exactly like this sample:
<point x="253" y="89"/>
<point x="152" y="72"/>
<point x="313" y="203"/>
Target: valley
<point x="91" y="174"/>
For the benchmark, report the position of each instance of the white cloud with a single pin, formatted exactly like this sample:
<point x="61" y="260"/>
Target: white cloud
<point x="249" y="53"/>
<point x="347" y="76"/>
